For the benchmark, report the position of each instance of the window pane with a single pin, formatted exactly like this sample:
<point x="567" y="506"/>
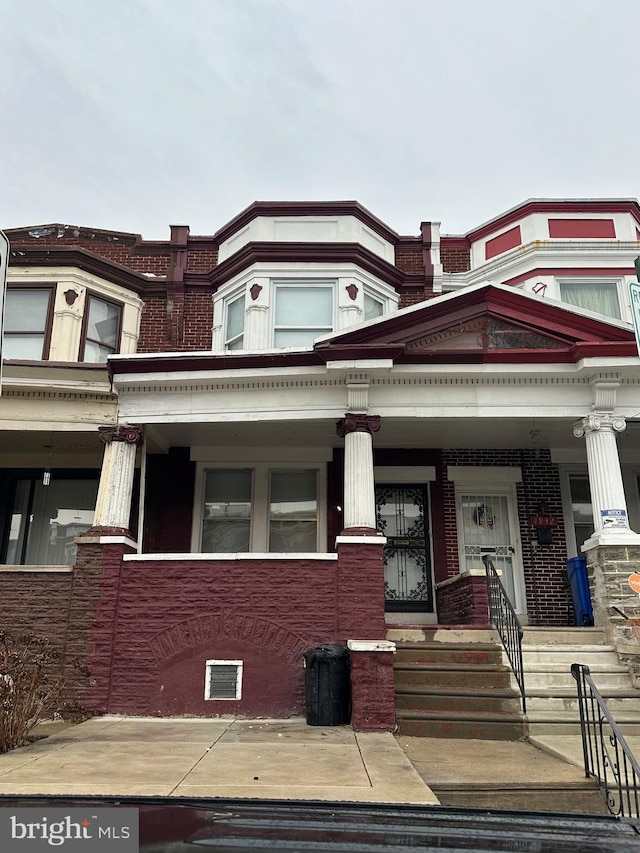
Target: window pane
<point x="235" y="319"/>
<point x="18" y="524"/>
<point x="103" y="322"/>
<point x="304" y="306"/>
<point x="581" y="508"/>
<point x="23" y="346"/>
<point x="61" y="511"/>
<point x="293" y="511"/>
<point x="601" y="298"/>
<point x="372" y="307"/>
<point x="298" y="337"/>
<point x="96" y="353"/>
<point x="26" y="311"/>
<point x="226" y="524"/>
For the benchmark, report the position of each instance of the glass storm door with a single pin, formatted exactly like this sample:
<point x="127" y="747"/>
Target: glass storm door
<point x="401" y="515"/>
<point x="486" y="528"/>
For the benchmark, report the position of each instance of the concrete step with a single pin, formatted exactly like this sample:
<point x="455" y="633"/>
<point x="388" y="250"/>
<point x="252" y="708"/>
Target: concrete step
<point x="556" y="723"/>
<point x="451" y="675"/>
<point x="443" y="634"/>
<point x="461" y="724"/>
<point x="464" y="653"/>
<point x="547" y="675"/>
<point x="571" y="798"/>
<point x="562" y="636"/>
<point x="451" y="699"/>
<point x="619" y="700"/>
<point x="568" y="654"/>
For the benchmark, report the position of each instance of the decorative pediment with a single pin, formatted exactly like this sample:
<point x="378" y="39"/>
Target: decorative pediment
<point x="482" y="333"/>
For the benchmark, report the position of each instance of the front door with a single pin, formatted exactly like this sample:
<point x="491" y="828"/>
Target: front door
<point x="487" y="527"/>
<point x="402" y="516"/>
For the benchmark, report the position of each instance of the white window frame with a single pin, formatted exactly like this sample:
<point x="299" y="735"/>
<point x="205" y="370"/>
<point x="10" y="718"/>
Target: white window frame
<point x="306" y="284"/>
<point x="619" y="283"/>
<point x="260" y="502"/>
<point x="207" y="680"/>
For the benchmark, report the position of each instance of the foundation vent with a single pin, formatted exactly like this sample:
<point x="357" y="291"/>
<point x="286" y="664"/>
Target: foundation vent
<point x="223" y="679"/>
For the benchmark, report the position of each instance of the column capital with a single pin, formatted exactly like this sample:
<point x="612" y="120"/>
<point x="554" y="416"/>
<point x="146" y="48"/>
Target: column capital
<point x="357" y="423"/>
<point x="599" y="421"/>
<point x="121" y="432"/>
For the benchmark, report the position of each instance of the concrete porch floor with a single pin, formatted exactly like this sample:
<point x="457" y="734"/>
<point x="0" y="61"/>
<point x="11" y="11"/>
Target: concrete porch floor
<point x="282" y="759"/>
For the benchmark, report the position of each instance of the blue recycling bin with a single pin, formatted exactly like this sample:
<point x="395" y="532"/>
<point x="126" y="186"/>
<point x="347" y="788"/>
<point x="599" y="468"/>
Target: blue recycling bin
<point x="579" y="583"/>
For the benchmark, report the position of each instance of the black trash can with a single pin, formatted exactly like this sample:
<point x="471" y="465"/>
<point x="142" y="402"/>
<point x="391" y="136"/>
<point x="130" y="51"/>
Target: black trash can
<point x="579" y="583"/>
<point x="327" y="686"/>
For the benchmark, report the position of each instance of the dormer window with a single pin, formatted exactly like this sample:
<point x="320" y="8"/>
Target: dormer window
<point x="302" y="313"/>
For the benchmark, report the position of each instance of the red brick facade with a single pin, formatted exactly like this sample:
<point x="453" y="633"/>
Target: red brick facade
<point x="548" y="598"/>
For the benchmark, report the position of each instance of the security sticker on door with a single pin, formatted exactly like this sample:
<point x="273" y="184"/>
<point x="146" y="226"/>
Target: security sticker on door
<point x="614" y="518"/>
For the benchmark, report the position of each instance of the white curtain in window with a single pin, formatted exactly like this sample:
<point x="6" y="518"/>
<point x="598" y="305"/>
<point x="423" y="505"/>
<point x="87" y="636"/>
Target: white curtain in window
<point x="226" y="523"/>
<point x="61" y="511"/>
<point x="599" y="297"/>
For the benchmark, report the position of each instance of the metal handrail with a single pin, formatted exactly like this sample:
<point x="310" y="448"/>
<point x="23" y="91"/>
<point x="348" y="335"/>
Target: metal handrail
<point x="505" y="620"/>
<point x="607" y="756"/>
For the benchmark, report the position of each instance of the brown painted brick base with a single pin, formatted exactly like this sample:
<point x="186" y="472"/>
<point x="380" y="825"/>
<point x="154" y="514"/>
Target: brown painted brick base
<point x="372" y="692"/>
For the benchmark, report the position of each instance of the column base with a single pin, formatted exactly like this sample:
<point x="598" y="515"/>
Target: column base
<point x="372" y="686"/>
<point x="611" y="537"/>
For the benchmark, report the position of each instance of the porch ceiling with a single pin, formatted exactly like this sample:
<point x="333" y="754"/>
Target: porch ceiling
<point x="472" y="433"/>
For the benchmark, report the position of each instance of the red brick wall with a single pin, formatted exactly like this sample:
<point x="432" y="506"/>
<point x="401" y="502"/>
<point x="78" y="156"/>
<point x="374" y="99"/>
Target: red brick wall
<point x="455" y="255"/>
<point x="463" y="602"/>
<point x="548" y="600"/>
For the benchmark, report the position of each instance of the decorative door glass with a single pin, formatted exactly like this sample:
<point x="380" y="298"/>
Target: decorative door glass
<point x="401" y="515"/>
<point x="485" y="530"/>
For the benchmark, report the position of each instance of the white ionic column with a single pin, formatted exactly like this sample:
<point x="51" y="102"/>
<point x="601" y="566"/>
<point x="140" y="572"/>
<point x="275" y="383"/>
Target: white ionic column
<point x="359" y="494"/>
<point x="113" y="504"/>
<point x="610" y="517"/>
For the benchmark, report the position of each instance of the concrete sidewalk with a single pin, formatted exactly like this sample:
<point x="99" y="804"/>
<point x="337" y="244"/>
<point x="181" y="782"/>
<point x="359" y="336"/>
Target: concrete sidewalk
<point x="282" y="759"/>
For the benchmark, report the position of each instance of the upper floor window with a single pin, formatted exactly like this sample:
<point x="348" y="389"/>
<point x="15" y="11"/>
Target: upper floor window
<point x="372" y="307"/>
<point x="234" y="329"/>
<point x="101" y="329"/>
<point x="27" y="323"/>
<point x="599" y="296"/>
<point x="302" y="314"/>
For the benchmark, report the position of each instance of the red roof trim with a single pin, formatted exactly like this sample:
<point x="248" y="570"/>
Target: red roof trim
<point x="588" y="206"/>
<point x="306" y="208"/>
<point x="328" y="253"/>
<point x="54" y="256"/>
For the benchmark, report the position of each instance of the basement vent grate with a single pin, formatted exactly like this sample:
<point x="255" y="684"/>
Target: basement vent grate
<point x="223" y="679"/>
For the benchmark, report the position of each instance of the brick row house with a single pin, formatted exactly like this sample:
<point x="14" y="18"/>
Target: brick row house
<point x="219" y="452"/>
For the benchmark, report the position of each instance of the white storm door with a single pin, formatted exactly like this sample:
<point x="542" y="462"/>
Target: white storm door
<point x="487" y="526"/>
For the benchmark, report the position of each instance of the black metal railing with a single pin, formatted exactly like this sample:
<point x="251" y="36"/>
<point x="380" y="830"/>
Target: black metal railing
<point x="505" y="620"/>
<point x="607" y="756"/>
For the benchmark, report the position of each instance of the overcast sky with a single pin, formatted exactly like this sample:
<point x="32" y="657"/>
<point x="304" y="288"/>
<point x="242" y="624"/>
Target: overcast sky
<point x="134" y="114"/>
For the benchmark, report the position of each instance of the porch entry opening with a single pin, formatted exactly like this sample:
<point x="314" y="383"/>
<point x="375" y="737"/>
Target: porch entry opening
<point x="486" y="527"/>
<point x="402" y="516"/>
